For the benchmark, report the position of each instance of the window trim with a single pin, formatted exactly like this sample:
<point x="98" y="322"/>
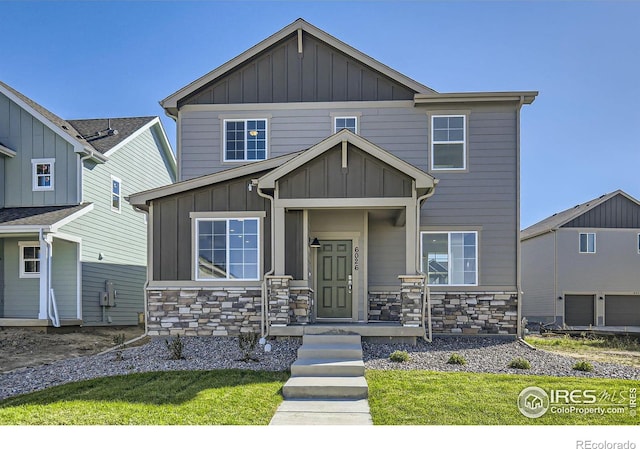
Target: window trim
<point x="337" y="117"/>
<point x="34" y="175"/>
<point x="23" y="273"/>
<point x="119" y="208"/>
<point x="464" y="141"/>
<point x="245" y="120"/>
<point x="198" y="217"/>
<point x="580" y="234"/>
<point x="477" y="258"/>
<point x="638" y="243"/>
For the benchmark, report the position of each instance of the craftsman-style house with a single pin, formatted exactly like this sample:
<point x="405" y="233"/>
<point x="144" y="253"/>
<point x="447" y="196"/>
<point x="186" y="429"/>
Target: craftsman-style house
<point x="319" y="187"/>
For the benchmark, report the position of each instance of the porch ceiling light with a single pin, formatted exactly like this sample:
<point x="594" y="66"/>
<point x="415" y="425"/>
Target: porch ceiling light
<point x="315" y="243"/>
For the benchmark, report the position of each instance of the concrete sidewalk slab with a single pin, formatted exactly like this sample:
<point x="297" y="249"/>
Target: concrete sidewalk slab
<point x="323" y="412"/>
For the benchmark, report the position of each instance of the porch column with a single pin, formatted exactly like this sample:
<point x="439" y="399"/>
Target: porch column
<point x="279" y="233"/>
<point x="411" y="239"/>
<point x="278" y="292"/>
<point x="411" y="300"/>
<point x="44" y="278"/>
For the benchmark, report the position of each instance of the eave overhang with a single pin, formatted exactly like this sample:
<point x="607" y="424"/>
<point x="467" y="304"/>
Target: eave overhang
<point x="526" y="97"/>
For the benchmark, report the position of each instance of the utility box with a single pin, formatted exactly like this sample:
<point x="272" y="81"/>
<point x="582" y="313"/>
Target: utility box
<point x="108" y="297"/>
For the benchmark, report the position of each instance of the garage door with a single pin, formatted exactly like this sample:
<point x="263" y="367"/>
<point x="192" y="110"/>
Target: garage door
<point x="622" y="310"/>
<point x="579" y="310"/>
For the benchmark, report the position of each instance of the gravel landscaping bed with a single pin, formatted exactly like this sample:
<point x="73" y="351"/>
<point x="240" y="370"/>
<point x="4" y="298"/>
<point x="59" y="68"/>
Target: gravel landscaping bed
<point x="487" y="355"/>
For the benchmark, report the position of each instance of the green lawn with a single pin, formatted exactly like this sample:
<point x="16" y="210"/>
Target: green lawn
<point x="235" y="397"/>
<point x="223" y="397"/>
<point x="434" y="398"/>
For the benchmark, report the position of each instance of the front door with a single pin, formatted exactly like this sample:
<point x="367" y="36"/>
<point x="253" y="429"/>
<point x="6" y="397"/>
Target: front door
<point x="334" y="279"/>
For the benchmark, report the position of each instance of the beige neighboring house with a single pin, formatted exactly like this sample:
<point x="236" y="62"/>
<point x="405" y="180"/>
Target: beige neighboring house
<point x="581" y="266"/>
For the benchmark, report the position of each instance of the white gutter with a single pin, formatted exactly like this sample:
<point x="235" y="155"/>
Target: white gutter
<point x="265" y="313"/>
<point x="426" y="292"/>
<point x="519" y="329"/>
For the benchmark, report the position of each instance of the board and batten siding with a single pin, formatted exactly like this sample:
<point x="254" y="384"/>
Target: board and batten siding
<point x="538" y="278"/>
<point x="280" y="74"/>
<point x="172" y="224"/>
<point x="27" y="290"/>
<point x="2" y="181"/>
<point x="31" y="139"/>
<point x="115" y="243"/>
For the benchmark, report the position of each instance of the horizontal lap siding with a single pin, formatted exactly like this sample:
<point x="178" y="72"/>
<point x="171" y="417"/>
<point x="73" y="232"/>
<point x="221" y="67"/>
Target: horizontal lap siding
<point x="484" y="197"/>
<point x="538" y="276"/>
<point x="64" y="278"/>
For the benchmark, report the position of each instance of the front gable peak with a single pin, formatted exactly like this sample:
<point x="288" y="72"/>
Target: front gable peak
<point x="298" y="63"/>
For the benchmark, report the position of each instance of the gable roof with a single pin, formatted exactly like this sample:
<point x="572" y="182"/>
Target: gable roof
<point x="423" y="179"/>
<point x="563" y="218"/>
<point x="19" y="219"/>
<point x="170" y="103"/>
<point x="103" y="134"/>
<point x="141" y="199"/>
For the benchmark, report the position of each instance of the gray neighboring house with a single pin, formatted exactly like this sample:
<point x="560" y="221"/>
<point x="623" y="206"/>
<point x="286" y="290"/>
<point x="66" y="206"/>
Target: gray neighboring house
<point x="319" y="188"/>
<point x="72" y="251"/>
<point x="581" y="266"/>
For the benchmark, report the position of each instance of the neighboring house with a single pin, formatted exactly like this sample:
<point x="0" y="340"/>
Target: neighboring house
<point x="581" y="266"/>
<point x="319" y="186"/>
<point x="72" y="251"/>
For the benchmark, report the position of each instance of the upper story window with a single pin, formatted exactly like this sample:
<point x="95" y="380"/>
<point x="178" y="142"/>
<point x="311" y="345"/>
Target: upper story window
<point x="350" y="123"/>
<point x="29" y="259"/>
<point x="245" y="140"/>
<point x="42" y="176"/>
<point x="448" y="142"/>
<point x="227" y="249"/>
<point x="587" y="242"/>
<point x="450" y="258"/>
<point x="116" y="194"/>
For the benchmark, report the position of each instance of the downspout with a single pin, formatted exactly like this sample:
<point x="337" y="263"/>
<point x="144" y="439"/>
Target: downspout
<point x="264" y="322"/>
<point x="54" y="319"/>
<point x="426" y="293"/>
<point x="519" y="329"/>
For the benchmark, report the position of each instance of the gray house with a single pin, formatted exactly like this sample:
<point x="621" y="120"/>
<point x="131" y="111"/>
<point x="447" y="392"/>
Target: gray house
<point x="581" y="266"/>
<point x="72" y="251"/>
<point x="319" y="187"/>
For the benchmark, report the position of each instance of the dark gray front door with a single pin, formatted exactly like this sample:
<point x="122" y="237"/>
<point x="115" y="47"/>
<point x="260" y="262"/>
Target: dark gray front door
<point x="334" y="279"/>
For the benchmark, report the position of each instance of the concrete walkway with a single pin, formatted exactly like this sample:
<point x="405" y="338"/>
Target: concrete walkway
<point x="323" y="412"/>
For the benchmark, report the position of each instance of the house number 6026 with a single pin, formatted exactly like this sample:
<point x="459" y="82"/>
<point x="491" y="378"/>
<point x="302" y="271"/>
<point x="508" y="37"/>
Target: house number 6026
<point x="356" y="258"/>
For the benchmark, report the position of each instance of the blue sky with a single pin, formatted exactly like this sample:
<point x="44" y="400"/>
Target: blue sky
<point x="580" y="138"/>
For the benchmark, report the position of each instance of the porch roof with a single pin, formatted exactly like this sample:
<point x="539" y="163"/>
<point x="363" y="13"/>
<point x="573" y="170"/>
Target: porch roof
<point x="422" y="179"/>
<point x="48" y="218"/>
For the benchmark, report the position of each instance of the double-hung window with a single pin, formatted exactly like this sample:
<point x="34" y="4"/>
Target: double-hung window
<point x="448" y="142"/>
<point x="245" y="140"/>
<point x="29" y="259"/>
<point x="587" y="242"/>
<point x="450" y="258"/>
<point x="350" y="123"/>
<point x="42" y="174"/>
<point x="227" y="248"/>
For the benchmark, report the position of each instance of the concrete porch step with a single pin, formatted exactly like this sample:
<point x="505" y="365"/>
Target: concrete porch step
<point x="331" y="338"/>
<point x="327" y="367"/>
<point x="348" y="351"/>
<point x="326" y="388"/>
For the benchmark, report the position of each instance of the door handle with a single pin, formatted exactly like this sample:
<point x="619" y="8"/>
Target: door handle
<point x="350" y="282"/>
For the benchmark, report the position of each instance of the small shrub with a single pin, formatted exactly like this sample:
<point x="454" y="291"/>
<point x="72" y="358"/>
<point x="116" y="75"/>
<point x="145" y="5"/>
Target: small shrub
<point x="175" y="347"/>
<point x="583" y="365"/>
<point x="520" y="363"/>
<point x="456" y="359"/>
<point x="399" y="356"/>
<point x="247" y="342"/>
